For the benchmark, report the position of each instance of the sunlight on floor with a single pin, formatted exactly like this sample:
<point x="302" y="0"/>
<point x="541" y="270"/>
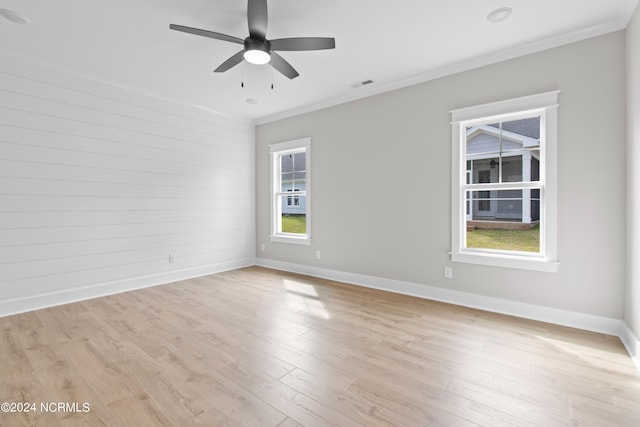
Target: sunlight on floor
<point x="302" y="297"/>
<point x="603" y="359"/>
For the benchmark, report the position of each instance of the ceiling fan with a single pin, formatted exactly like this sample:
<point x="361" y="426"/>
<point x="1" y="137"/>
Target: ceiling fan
<point x="257" y="48"/>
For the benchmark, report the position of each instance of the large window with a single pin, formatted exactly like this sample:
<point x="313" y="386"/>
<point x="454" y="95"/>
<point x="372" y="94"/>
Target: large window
<point x="291" y="192"/>
<point x="504" y="183"/>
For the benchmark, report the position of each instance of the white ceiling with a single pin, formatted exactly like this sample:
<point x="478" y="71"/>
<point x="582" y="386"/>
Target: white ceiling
<point x="393" y="43"/>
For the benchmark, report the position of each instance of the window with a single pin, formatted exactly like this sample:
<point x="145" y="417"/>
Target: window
<point x="291" y="192"/>
<point x="504" y="183"/>
<point x="293" y="200"/>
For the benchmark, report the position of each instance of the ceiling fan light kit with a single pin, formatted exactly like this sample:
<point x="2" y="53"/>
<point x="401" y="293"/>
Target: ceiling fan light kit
<point x="258" y="57"/>
<point x="256" y="52"/>
<point x="257" y="48"/>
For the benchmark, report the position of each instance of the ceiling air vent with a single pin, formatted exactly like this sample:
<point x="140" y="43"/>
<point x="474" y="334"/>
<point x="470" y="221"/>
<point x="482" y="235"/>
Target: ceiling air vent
<point x="363" y="83"/>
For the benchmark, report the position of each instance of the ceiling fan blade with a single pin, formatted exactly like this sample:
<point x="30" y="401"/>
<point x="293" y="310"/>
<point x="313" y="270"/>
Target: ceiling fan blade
<point x="206" y="33"/>
<point x="283" y="66"/>
<point x="230" y="63"/>
<point x="303" y="43"/>
<point x="257" y="17"/>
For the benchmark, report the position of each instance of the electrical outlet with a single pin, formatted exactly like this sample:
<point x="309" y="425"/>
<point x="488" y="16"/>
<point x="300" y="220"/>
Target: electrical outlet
<point x="262" y="247"/>
<point x="448" y="272"/>
<point x="318" y="254"/>
<point x="172" y="258"/>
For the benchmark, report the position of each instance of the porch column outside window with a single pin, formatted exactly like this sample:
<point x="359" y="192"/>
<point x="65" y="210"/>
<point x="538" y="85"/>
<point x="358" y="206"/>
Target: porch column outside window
<point x="469" y="202"/>
<point x="526" y="194"/>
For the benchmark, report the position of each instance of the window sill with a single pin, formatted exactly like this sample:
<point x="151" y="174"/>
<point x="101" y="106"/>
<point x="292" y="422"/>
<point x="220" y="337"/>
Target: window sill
<point x="506" y="261"/>
<point x="304" y="240"/>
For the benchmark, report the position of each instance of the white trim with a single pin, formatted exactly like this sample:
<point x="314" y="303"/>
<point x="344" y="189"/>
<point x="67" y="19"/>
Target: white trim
<point x="494" y="259"/>
<point x="458" y="67"/>
<point x="458" y="198"/>
<point x="503" y="186"/>
<point x="545" y="106"/>
<point x="295" y="240"/>
<point x="572" y="319"/>
<point x="50" y="299"/>
<point x="275" y="151"/>
<point x="515" y="106"/>
<point x="599" y="324"/>
<point x="294" y="145"/>
<point x="588" y="322"/>
<point x="631" y="343"/>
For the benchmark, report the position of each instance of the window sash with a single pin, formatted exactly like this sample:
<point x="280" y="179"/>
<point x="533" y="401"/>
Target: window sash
<point x="533" y="255"/>
<point x="508" y="185"/>
<point x="291" y="193"/>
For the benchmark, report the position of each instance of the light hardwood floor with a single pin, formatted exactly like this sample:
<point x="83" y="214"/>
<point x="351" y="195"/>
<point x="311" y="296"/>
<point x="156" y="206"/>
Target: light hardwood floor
<point x="267" y="348"/>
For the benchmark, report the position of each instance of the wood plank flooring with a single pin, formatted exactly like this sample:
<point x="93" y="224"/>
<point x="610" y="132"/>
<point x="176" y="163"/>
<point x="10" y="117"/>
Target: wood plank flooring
<point x="259" y="347"/>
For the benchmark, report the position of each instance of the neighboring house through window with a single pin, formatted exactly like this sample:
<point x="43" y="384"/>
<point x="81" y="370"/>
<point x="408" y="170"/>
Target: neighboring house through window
<point x="290" y="192"/>
<point x="504" y="183"/>
<point x="293" y="200"/>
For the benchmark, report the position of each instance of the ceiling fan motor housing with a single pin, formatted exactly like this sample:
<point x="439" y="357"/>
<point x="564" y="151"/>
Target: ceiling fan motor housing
<point x="253" y="44"/>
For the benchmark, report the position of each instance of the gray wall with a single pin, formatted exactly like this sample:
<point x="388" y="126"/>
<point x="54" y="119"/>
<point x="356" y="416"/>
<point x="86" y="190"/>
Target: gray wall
<point x="632" y="297"/>
<point x="370" y="154"/>
<point x="98" y="185"/>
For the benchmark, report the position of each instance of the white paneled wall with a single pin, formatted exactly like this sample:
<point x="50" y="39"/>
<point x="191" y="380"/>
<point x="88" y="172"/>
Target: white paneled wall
<point x="100" y="185"/>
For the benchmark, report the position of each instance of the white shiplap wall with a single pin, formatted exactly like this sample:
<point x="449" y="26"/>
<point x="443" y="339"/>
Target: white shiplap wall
<point x="99" y="184"/>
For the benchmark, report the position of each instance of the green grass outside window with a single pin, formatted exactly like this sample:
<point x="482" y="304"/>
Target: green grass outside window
<point x="510" y="240"/>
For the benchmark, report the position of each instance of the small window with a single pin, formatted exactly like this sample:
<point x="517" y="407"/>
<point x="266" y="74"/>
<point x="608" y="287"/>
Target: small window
<point x="293" y="200"/>
<point x="504" y="183"/>
<point x="291" y="192"/>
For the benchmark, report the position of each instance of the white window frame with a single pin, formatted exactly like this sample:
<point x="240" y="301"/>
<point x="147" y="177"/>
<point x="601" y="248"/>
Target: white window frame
<point x="545" y="105"/>
<point x="277" y="151"/>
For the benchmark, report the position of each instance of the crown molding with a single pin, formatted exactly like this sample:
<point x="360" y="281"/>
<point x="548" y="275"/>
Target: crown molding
<point x="458" y="67"/>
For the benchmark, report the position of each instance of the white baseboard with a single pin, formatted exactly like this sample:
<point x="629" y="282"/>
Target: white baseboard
<point x="50" y="299"/>
<point x="631" y="343"/>
<point x="587" y="322"/>
<point x="555" y="316"/>
<point x="583" y="321"/>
